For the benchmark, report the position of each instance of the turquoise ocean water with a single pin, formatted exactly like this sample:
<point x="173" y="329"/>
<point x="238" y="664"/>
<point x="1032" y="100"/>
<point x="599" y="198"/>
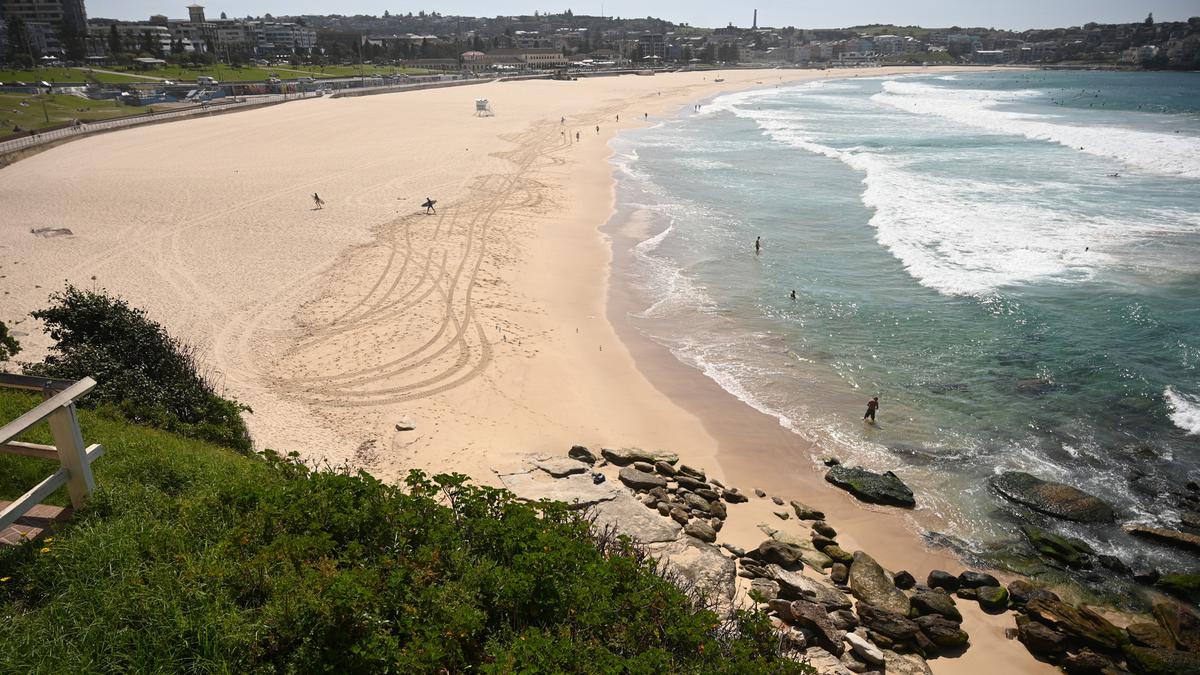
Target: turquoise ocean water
<point x="960" y="247"/>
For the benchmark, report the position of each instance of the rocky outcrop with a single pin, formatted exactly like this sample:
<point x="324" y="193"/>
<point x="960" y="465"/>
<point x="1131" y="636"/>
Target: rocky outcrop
<point x="1181" y="623"/>
<point x="560" y="467"/>
<point x="1053" y="499"/>
<point x="778" y="553"/>
<point x="627" y="456"/>
<point x="1150" y="635"/>
<point x="1162" y="661"/>
<point x="1081" y="623"/>
<point x="702" y="565"/>
<point x="897" y="628"/>
<point x="797" y="586"/>
<point x="1040" y="639"/>
<point x="808" y="553"/>
<point x="875" y="488"/>
<point x="806" y="513"/>
<point x="627" y="515"/>
<point x="871" y="585"/>
<point x="1065" y="550"/>
<point x="814" y="617"/>
<point x="577" y="491"/>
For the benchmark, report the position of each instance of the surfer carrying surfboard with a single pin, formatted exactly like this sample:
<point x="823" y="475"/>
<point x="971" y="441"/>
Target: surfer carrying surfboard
<point x="872" y="406"/>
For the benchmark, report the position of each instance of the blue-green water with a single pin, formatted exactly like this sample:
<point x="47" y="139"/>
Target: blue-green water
<point x="959" y="246"/>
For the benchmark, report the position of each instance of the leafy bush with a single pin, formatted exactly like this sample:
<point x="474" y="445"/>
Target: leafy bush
<point x="9" y="347"/>
<point x="151" y="377"/>
<point x="191" y="558"/>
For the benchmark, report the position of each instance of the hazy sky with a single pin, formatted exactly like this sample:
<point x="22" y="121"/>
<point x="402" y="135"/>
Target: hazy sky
<point x="1015" y="14"/>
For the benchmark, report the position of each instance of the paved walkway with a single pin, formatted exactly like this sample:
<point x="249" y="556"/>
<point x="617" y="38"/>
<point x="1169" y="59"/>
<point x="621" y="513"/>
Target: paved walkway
<point x="119" y="72"/>
<point x="33" y="524"/>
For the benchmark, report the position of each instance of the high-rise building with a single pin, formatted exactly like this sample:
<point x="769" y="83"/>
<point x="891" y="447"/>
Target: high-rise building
<point x="53" y="13"/>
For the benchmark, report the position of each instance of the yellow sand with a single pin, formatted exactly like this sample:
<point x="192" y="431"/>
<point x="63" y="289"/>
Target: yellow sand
<point x="485" y="325"/>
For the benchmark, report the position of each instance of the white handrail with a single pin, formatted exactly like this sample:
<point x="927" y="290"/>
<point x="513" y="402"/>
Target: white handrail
<point x="75" y="470"/>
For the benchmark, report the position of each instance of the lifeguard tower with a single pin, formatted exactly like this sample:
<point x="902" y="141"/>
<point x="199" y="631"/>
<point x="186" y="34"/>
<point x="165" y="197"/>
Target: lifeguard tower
<point x="483" y="108"/>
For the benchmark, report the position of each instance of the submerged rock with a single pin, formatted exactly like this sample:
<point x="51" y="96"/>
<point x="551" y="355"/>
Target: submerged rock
<point x="1174" y="538"/>
<point x="870" y="584"/>
<point x="1068" y="551"/>
<point x="885" y="488"/>
<point x="1053" y="499"/>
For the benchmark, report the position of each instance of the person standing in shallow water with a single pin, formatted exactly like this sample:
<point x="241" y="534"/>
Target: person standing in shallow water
<point x="757" y="245"/>
<point x="872" y="406"/>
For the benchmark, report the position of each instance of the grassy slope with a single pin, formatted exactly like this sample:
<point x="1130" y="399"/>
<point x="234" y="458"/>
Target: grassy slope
<point x="61" y="108"/>
<point x="193" y="558"/>
<point x="186" y="74"/>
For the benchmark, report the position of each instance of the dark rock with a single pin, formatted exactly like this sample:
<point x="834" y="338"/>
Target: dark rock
<point x="1161" y="661"/>
<point x="1185" y="586"/>
<point x="777" y="500"/>
<point x="903" y="580"/>
<point x="822" y="528"/>
<point x="1052" y="546"/>
<point x="701" y="530"/>
<point x="1190" y="542"/>
<point x="1146" y="574"/>
<point x="1150" y="635"/>
<point x="698" y="474"/>
<point x="581" y="454"/>
<point x="710" y="495"/>
<point x="646" y="467"/>
<point x="904" y="664"/>
<point x="649" y="500"/>
<point x="1086" y="662"/>
<point x="872" y="487"/>
<point x="968" y="593"/>
<point x="1054" y="499"/>
<point x="831" y="461"/>
<point x="940" y="579"/>
<point x="747" y="574"/>
<point x="664" y="469"/>
<point x="627" y="456"/>
<point x="1114" y="564"/>
<point x="1021" y="592"/>
<point x="719" y="485"/>
<point x="870" y="584"/>
<point x="942" y="631"/>
<point x="718" y="510"/>
<point x="1034" y="386"/>
<point x="694" y="502"/>
<point x="782" y="608"/>
<point x="993" y="599"/>
<point x="936" y="602"/>
<point x="689" y="483"/>
<point x="1181" y="623"/>
<point x="839" y="573"/>
<point x="844" y="619"/>
<point x="821" y="541"/>
<point x="813" y="616"/>
<point x="971" y="579"/>
<point x="1081" y="623"/>
<point x="806" y="513"/>
<point x="717" y="524"/>
<point x="767" y="589"/>
<point x="664" y="508"/>
<point x="640" y="480"/>
<point x="1190" y="519"/>
<point x="1041" y="640"/>
<point x="759" y="493"/>
<point x="680" y="516"/>
<point x="782" y="515"/>
<point x="838" y="554"/>
<point x="734" y="497"/>
<point x="778" y="553"/>
<point x="896" y="627"/>
<point x="923" y="645"/>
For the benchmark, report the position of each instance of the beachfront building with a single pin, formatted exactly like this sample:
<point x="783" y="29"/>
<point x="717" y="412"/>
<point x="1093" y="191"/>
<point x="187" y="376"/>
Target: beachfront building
<point x="50" y="27"/>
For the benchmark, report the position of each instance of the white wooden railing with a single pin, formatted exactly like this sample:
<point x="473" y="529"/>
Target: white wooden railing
<point x="75" y="461"/>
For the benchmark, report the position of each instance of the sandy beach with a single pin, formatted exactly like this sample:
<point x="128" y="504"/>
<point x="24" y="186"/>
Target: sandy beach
<point x="489" y="325"/>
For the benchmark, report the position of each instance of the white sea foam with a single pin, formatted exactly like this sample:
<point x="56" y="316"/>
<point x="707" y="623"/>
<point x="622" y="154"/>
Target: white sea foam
<point x="1185" y="411"/>
<point x="1166" y="154"/>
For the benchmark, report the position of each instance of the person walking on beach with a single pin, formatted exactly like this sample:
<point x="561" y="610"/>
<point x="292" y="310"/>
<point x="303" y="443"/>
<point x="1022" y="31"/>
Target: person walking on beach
<point x="618" y="119"/>
<point x="318" y="202"/>
<point x="428" y="205"/>
<point x="757" y="245"/>
<point x="872" y="406"/>
<point x="576" y="136"/>
<point x="597" y="128"/>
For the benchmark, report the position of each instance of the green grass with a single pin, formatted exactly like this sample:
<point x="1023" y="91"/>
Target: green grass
<point x="124" y="75"/>
<point x="61" y="108"/>
<point x="195" y="558"/>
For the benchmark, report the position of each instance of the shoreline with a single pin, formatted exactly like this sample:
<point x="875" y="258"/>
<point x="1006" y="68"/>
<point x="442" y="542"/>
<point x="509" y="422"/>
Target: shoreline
<point x="488" y="324"/>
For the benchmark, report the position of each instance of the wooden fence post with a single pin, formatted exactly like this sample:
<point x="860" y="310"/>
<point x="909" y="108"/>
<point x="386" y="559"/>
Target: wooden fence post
<point x="64" y="427"/>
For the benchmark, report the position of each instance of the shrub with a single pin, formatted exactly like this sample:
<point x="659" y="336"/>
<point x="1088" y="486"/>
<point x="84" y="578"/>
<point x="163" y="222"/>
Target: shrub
<point x="190" y="558"/>
<point x="149" y="376"/>
<point x="9" y="347"/>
